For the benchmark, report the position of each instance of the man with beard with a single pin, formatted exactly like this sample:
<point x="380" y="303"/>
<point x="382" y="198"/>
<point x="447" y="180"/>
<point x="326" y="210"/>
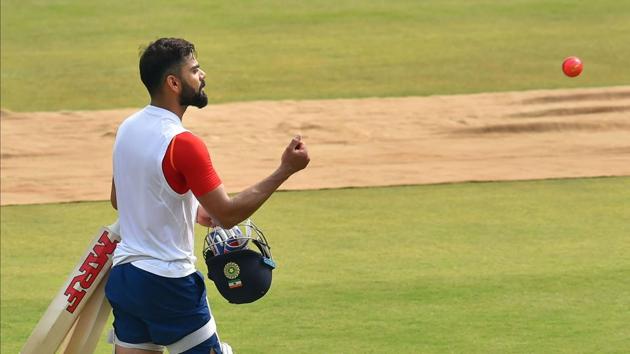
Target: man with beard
<point x="163" y="182"/>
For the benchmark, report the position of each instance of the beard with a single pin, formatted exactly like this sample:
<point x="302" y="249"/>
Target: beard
<point x="190" y="97"/>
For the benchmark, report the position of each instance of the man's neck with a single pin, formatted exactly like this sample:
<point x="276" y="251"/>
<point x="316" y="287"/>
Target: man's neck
<point x="174" y="107"/>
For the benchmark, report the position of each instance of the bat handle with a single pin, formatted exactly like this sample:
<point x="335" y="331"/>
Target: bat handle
<point x="114" y="228"/>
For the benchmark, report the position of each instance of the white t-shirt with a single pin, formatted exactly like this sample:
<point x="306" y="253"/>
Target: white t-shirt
<point x="156" y="223"/>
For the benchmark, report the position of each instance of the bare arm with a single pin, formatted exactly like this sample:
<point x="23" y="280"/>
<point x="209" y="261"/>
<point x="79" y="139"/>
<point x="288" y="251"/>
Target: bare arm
<point x="228" y="211"/>
<point x="112" y="196"/>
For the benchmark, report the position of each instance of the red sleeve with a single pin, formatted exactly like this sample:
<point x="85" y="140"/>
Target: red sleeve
<point x="187" y="166"/>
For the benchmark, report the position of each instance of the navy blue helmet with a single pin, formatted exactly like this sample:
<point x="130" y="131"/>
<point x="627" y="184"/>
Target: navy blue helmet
<point x="240" y="273"/>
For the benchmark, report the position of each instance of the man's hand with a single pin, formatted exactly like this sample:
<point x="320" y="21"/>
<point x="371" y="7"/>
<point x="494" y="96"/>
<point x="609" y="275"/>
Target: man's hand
<point x="203" y="218"/>
<point x="295" y="156"/>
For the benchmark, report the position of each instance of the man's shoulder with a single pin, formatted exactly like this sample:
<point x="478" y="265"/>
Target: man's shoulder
<point x="189" y="138"/>
<point x="135" y="116"/>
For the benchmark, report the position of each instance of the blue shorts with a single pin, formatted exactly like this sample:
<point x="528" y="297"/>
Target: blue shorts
<point x="150" y="309"/>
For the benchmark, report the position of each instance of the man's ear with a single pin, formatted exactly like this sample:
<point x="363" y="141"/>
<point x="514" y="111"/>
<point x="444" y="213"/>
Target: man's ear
<point x="173" y="83"/>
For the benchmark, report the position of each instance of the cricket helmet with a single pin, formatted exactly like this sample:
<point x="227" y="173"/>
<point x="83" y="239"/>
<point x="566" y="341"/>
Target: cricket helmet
<point x="240" y="273"/>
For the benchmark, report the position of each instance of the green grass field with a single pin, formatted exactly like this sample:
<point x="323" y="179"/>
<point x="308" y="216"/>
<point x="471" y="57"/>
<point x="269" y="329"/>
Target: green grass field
<point x="515" y="267"/>
<point x="61" y="54"/>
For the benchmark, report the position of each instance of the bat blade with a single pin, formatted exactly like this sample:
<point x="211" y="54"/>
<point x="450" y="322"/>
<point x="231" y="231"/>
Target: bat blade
<point x="88" y="327"/>
<point x="84" y="282"/>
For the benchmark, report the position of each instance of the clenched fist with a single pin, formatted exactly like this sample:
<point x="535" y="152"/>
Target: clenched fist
<point x="295" y="156"/>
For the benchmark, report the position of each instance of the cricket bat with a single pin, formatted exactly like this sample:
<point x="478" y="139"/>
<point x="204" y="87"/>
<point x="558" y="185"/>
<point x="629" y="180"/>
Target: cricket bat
<point x="75" y="318"/>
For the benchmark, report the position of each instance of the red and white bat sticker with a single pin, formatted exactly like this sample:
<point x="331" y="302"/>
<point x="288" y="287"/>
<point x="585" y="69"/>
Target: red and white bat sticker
<point x="89" y="270"/>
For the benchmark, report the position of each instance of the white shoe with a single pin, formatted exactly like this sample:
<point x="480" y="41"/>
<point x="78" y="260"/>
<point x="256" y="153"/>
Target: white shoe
<point x="225" y="348"/>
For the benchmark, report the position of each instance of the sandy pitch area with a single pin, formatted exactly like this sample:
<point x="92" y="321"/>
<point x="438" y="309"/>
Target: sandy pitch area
<point x="66" y="156"/>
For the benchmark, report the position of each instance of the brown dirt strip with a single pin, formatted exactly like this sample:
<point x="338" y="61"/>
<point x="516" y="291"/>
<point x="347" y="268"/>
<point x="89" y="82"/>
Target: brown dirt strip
<point x="66" y="156"/>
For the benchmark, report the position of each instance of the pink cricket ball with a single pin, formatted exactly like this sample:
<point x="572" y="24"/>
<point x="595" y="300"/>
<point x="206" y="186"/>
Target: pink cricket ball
<point x="572" y="66"/>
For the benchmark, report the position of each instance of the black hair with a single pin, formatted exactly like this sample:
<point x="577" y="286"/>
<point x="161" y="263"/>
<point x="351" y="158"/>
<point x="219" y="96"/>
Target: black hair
<point x="161" y="58"/>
